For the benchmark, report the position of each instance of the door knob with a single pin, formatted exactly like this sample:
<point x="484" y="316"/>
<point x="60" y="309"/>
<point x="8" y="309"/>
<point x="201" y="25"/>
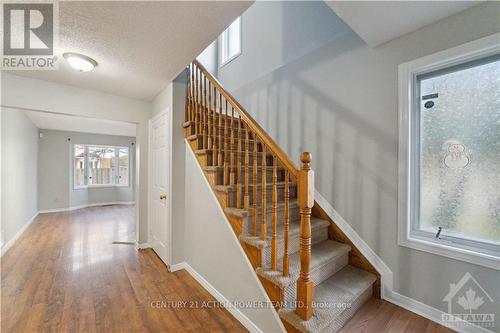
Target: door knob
<point x="163" y="197"/>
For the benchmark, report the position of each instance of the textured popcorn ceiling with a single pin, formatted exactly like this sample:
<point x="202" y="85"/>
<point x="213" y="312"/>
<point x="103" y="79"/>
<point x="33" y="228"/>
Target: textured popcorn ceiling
<point x="140" y="46"/>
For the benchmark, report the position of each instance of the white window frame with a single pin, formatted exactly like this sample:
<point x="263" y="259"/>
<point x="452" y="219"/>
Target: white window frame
<point x="87" y="165"/>
<point x="459" y="249"/>
<point x="223" y="40"/>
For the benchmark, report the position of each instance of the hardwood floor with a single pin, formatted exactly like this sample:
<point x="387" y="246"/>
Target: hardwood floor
<point x="378" y="316"/>
<point x="65" y="275"/>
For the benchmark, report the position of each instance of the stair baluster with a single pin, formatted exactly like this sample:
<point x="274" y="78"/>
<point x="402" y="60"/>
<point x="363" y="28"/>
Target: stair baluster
<point x="214" y="123"/>
<point x="226" y="149"/>
<point x="204" y="112"/>
<point x="208" y="113"/>
<point x="193" y="109"/>
<point x="274" y="212"/>
<point x="231" y="153"/>
<point x="246" y="199"/>
<point x="200" y="98"/>
<point x="220" y="161"/>
<point x="263" y="227"/>
<point x="254" y="191"/>
<point x="286" y="224"/>
<point x="238" y="167"/>
<point x="187" y="104"/>
<point x="190" y="96"/>
<point x="306" y="202"/>
<point x="197" y="99"/>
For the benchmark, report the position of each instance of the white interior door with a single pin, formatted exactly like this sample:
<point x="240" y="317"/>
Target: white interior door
<point x="159" y="149"/>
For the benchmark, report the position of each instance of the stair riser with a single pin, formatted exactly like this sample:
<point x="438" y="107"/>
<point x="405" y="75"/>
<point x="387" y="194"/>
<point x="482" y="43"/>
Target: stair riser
<point x="247" y="222"/>
<point x="188" y="131"/>
<point x="318" y="235"/>
<point x="317" y="276"/>
<point x="350" y="312"/>
<point x="232" y="196"/>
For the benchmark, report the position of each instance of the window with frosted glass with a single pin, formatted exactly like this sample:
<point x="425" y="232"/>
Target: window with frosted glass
<point x="459" y="169"/>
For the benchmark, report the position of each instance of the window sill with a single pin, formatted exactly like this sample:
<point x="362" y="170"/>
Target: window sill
<point x="97" y="186"/>
<point x="454" y="252"/>
<point x="227" y="61"/>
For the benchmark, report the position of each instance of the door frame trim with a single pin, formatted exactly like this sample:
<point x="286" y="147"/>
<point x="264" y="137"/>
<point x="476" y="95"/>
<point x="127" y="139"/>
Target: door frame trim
<point x="165" y="111"/>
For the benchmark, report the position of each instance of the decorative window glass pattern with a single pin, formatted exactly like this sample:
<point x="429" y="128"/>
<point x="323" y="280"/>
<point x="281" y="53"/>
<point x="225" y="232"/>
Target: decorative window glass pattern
<point x="459" y="172"/>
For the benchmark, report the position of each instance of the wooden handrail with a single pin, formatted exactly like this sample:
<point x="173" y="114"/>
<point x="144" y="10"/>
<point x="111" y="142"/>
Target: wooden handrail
<point x="254" y="126"/>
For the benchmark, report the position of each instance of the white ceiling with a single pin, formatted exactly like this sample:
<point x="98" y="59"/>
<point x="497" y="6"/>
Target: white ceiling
<point x="60" y="122"/>
<point x="140" y="46"/>
<point x="377" y="22"/>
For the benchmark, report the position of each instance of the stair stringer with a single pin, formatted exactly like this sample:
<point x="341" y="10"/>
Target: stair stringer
<point x="214" y="251"/>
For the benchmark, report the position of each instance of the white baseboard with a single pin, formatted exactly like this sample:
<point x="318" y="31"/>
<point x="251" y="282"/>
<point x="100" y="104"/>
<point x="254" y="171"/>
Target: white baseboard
<point x="386" y="274"/>
<point x="141" y="246"/>
<point x="249" y="325"/>
<point x="431" y="313"/>
<point x="178" y="267"/>
<point x="67" y="209"/>
<point x="11" y="242"/>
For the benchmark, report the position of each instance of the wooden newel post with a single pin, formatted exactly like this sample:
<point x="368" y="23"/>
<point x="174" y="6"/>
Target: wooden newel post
<point x="305" y="288"/>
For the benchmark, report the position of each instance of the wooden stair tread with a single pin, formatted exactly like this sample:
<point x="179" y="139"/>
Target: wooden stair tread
<point x="294" y="230"/>
<point x="321" y="254"/>
<point x="348" y="286"/>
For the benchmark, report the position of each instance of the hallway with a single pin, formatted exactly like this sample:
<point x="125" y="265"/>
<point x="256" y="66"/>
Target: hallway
<point x="65" y="275"/>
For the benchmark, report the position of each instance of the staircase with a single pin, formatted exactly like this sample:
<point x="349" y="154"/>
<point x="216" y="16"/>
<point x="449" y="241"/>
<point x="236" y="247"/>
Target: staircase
<point x="312" y="272"/>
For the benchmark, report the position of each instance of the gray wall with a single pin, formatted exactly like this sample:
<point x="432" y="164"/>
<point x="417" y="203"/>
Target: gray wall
<point x="55" y="188"/>
<point x="315" y="86"/>
<point x="208" y="58"/>
<point x="19" y="141"/>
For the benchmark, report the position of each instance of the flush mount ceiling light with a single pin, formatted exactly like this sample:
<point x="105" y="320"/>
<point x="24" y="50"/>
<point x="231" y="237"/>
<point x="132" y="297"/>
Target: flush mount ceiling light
<point x="80" y="62"/>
